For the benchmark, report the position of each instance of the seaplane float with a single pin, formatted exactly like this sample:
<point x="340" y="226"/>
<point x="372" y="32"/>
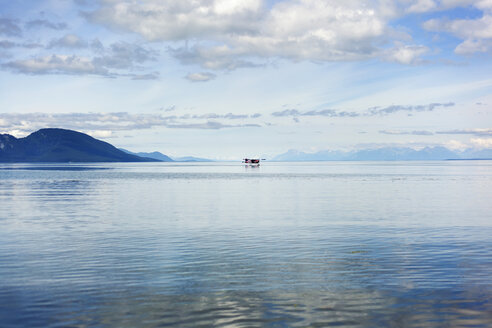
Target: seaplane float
<point x="252" y="161"/>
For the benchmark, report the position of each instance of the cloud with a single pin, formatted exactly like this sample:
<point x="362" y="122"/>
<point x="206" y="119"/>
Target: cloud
<point x="68" y="41"/>
<point x="407" y="54"/>
<point x="56" y="64"/>
<point x="216" y="58"/>
<point x="37" y="23"/>
<point x="476" y="132"/>
<point x="226" y="34"/>
<point x="373" y="111"/>
<point x="97" y="46"/>
<point x="9" y="27"/>
<point x="124" y="55"/>
<point x="412" y="108"/>
<point x="426" y="6"/>
<point x="229" y="116"/>
<point x="478" y="28"/>
<point x="287" y="112"/>
<point x="5" y="44"/>
<point x="119" y="59"/>
<point x="200" y="77"/>
<point x="210" y="125"/>
<point x="119" y="121"/>
<point x="456" y="145"/>
<point x="100" y="133"/>
<point x="421" y="6"/>
<point x="469" y="46"/>
<point x="168" y="109"/>
<point x="142" y="77"/>
<point x="330" y="113"/>
<point x="323" y="112"/>
<point x="476" y="33"/>
<point x="178" y="20"/>
<point x="482" y="143"/>
<point x="415" y="132"/>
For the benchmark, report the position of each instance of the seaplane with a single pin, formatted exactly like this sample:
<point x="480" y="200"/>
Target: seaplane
<point x="252" y="161"/>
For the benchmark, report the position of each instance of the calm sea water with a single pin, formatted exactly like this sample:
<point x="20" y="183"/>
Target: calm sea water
<point x="350" y="244"/>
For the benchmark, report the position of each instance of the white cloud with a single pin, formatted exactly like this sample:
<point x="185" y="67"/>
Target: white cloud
<point x="105" y="124"/>
<point x="55" y="64"/>
<point x="422" y="6"/>
<point x="475" y="33"/>
<point x="100" y="133"/>
<point x="373" y="111"/>
<point x="119" y="59"/>
<point x="17" y="133"/>
<point x="226" y="34"/>
<point x="469" y="47"/>
<point x="481" y="143"/>
<point x="232" y="7"/>
<point x="399" y="132"/>
<point x="480" y="28"/>
<point x="407" y="54"/>
<point x="477" y="131"/>
<point x="455" y="145"/>
<point x="177" y="19"/>
<point x="200" y="77"/>
<point x="210" y="125"/>
<point x="483" y="4"/>
<point x="425" y="6"/>
<point x="213" y="57"/>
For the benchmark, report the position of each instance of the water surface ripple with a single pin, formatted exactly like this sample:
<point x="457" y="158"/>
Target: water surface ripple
<point x="400" y="244"/>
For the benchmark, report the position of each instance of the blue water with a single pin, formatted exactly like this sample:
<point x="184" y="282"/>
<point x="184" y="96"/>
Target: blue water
<point x="348" y="244"/>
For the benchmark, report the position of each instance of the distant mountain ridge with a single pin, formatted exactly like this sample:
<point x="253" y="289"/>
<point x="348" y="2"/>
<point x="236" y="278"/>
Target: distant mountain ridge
<point x="192" y="159"/>
<point x="60" y="145"/>
<point x="386" y="154"/>
<point x="164" y="158"/>
<point x="155" y="155"/>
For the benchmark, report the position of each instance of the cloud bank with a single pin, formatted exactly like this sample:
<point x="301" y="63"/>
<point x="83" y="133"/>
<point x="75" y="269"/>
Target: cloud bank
<point x="224" y="35"/>
<point x="415" y="132"/>
<point x="228" y="33"/>
<point x="373" y="111"/>
<point x="118" y="59"/>
<point x="476" y="132"/>
<point x="100" y="123"/>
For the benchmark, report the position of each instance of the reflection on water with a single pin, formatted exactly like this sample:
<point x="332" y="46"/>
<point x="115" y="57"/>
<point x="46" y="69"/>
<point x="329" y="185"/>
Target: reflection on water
<point x="52" y="167"/>
<point x="291" y="244"/>
<point x="259" y="309"/>
<point x="55" y="168"/>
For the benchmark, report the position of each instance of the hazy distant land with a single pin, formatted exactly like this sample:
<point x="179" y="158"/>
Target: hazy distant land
<point x="61" y="145"/>
<point x="386" y="154"/>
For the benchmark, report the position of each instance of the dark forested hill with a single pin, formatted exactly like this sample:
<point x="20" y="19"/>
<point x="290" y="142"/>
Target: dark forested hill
<point x="60" y="145"/>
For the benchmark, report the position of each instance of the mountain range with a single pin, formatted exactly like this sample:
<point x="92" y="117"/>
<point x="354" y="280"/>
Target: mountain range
<point x="386" y="154"/>
<point x="155" y="155"/>
<point x="164" y="158"/>
<point x="60" y="145"/>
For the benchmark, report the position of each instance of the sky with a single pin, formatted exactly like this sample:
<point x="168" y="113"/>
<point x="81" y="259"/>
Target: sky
<point x="225" y="79"/>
